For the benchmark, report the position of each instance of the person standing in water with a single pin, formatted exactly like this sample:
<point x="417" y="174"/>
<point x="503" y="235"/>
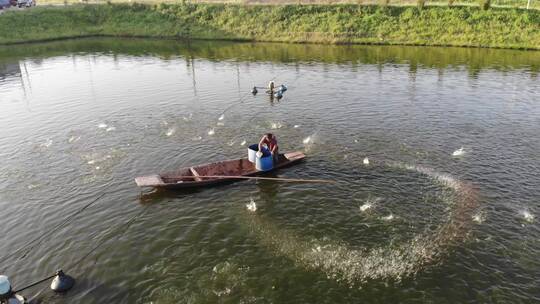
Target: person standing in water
<point x="270" y="141"/>
<point x="271" y="87"/>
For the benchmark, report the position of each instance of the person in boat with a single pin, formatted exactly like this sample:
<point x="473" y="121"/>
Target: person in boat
<point x="269" y="141"/>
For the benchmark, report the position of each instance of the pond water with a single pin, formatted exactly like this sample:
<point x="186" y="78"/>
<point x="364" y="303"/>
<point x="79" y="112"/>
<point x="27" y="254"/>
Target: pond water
<point x="434" y="152"/>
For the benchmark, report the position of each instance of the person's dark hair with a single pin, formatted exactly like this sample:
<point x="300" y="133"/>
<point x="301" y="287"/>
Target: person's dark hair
<point x="269" y="135"/>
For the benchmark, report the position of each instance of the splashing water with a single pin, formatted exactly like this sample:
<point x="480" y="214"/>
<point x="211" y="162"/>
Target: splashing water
<point x="109" y="129"/>
<point x="220" y="124"/>
<point x="32" y="186"/>
<point x="366" y="207"/>
<point x="276" y="125"/>
<point x="221" y="117"/>
<point x="187" y="118"/>
<point x="369" y="204"/>
<point x="251" y="206"/>
<point x="46" y="144"/>
<point x="388" y="217"/>
<point x="231" y="143"/>
<point x="479" y="217"/>
<point x="170" y="131"/>
<point x="102" y="125"/>
<point x="366" y="161"/>
<point x="73" y="139"/>
<point x="211" y="132"/>
<point x="527" y="216"/>
<point x="243" y="143"/>
<point x="296" y="126"/>
<point x="392" y="262"/>
<point x="459" y="152"/>
<point x="306" y="140"/>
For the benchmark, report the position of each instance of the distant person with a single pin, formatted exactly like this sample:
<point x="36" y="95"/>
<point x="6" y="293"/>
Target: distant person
<point x="269" y="141"/>
<point x="271" y="86"/>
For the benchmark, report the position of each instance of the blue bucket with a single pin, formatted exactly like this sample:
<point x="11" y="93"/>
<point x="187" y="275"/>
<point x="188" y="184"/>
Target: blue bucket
<point x="266" y="162"/>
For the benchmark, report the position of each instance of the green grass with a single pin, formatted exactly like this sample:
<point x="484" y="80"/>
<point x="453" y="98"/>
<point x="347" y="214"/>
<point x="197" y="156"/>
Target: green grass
<point x="456" y="26"/>
<point x="534" y="4"/>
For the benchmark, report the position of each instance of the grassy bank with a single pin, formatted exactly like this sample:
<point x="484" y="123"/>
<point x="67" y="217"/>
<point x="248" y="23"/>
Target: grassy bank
<point x="533" y="4"/>
<point x="456" y="26"/>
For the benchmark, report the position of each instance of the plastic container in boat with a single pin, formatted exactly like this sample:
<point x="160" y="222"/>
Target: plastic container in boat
<point x="266" y="162"/>
<point x="252" y="152"/>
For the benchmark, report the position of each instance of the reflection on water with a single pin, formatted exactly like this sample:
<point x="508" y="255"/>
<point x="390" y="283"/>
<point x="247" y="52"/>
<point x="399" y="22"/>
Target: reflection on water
<point x="434" y="151"/>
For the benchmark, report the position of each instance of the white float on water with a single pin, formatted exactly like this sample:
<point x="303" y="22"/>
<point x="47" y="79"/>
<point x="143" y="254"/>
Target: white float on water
<point x="5" y="286"/>
<point x="366" y="161"/>
<point x="6" y="293"/>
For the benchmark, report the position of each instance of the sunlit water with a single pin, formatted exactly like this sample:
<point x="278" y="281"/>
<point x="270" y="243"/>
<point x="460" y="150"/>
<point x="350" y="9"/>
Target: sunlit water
<point x="434" y="152"/>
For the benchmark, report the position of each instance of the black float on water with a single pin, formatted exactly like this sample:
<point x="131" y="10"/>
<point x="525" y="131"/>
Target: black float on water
<point x="254" y="91"/>
<point x="61" y="283"/>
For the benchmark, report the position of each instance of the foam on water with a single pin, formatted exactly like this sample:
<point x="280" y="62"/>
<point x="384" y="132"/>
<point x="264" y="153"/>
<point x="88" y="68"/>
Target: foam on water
<point x="221" y="117"/>
<point x="296" y="126"/>
<point x="211" y="132"/>
<point x="276" y="125"/>
<point x="366" y="161"/>
<point x="220" y="124"/>
<point x="243" y="143"/>
<point x="197" y="138"/>
<point x="102" y="125"/>
<point x="392" y="262"/>
<point x="110" y="129"/>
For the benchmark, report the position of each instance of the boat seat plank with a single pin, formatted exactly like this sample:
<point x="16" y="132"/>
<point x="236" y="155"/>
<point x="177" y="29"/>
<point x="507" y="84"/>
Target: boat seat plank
<point x="196" y="174"/>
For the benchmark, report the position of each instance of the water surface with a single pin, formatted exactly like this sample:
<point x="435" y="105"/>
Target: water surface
<point x="446" y="211"/>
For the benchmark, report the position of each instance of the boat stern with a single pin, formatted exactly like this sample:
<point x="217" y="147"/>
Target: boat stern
<point x="149" y="181"/>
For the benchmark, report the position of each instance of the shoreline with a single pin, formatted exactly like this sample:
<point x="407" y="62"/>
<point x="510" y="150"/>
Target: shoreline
<point x="467" y="27"/>
<point x="240" y="40"/>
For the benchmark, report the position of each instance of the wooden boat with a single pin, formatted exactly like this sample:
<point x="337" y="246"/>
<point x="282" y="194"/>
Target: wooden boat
<point x="218" y="172"/>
